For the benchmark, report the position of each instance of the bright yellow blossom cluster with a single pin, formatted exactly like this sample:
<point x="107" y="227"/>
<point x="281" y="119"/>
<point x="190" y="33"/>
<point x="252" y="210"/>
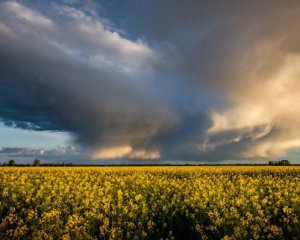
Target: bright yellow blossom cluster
<point x="150" y="203"/>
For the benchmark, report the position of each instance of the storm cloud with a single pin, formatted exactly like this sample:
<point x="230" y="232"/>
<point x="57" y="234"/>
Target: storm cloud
<point x="191" y="80"/>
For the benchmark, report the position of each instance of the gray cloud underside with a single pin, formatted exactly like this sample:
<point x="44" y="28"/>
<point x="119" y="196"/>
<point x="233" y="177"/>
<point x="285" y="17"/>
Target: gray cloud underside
<point x="195" y="80"/>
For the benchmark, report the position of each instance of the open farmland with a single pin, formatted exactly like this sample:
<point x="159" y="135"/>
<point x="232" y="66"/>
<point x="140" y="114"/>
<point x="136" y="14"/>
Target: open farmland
<point x="150" y="203"/>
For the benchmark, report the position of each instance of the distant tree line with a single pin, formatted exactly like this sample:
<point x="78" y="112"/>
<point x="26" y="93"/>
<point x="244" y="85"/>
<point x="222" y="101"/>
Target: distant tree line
<point x="36" y="163"/>
<point x="279" y="163"/>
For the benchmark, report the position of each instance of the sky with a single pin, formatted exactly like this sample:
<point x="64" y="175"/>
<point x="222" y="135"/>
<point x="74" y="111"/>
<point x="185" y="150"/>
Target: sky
<point x="112" y="82"/>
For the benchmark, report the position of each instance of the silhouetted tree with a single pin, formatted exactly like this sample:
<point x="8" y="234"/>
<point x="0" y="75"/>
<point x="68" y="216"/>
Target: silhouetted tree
<point x="11" y="162"/>
<point x="36" y="162"/>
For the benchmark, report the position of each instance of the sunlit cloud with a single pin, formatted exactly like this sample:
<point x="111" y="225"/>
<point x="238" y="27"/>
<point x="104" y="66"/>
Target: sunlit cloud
<point x="112" y="152"/>
<point x="125" y="152"/>
<point x="269" y="102"/>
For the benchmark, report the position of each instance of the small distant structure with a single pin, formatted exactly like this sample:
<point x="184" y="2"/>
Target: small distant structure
<point x="283" y="162"/>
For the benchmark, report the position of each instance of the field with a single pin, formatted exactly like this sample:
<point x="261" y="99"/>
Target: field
<point x="150" y="203"/>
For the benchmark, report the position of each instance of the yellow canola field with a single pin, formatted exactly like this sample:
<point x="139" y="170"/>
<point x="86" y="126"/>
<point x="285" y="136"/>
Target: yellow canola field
<point x="150" y="203"/>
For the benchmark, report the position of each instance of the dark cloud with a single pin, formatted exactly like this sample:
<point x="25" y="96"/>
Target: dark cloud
<point x="207" y="42"/>
<point x="169" y="80"/>
<point x="45" y="87"/>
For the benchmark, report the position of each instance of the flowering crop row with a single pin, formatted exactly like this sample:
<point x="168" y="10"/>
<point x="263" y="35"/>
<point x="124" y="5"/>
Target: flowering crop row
<point x="150" y="203"/>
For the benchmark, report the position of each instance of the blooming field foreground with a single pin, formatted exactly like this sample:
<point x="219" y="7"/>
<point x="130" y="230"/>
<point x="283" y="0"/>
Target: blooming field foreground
<point x="150" y="203"/>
